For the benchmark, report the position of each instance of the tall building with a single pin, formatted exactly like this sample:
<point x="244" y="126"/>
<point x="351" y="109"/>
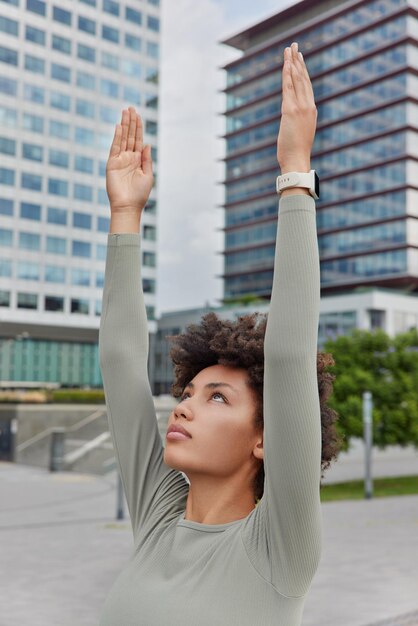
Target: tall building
<point x="67" y="69"/>
<point x="362" y="58"/>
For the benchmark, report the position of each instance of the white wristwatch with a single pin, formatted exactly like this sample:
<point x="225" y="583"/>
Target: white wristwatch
<point x="309" y="180"/>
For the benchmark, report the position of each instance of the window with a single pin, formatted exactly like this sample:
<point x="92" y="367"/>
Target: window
<point x="57" y="216"/>
<point x="110" y="60"/>
<point x="109" y="88"/>
<point x="60" y="72"/>
<point x="111" y="34"/>
<point x="88" y="26"/>
<point x="55" y="274"/>
<point x="84" y="136"/>
<point x="29" y="241"/>
<point x="31" y="181"/>
<point x="28" y="270"/>
<point x="33" y="93"/>
<point x="132" y="95"/>
<point x="7" y="176"/>
<point x="85" y="108"/>
<point x="7" y="55"/>
<point x="133" y="16"/>
<point x="83" y="192"/>
<point x="79" y="306"/>
<point x="59" y="129"/>
<point x="151" y="101"/>
<point x="149" y="259"/>
<point x="15" y="3"/>
<point x="110" y="6"/>
<point x="6" y="237"/>
<point x="60" y="101"/>
<point x="34" y="64"/>
<point x="153" y="23"/>
<point x="5" y="266"/>
<point x="80" y="277"/>
<point x="61" y="44"/>
<point x="151" y="127"/>
<point x="35" y="35"/>
<point x="86" y="53"/>
<point x="8" y="86"/>
<point x="99" y="279"/>
<point x="7" y="146"/>
<point x="91" y="3"/>
<point x="88" y="81"/>
<point x="102" y="168"/>
<point x="98" y="307"/>
<point x="155" y="3"/>
<point x="27" y="300"/>
<point x="131" y="68"/>
<point x="102" y="196"/>
<point x="36" y="6"/>
<point x="83" y="164"/>
<point x="61" y="15"/>
<point x="58" y="187"/>
<point x="56" y="245"/>
<point x="149" y="232"/>
<point x="33" y="123"/>
<point x="32" y="152"/>
<point x="11" y="27"/>
<point x="82" y="220"/>
<point x="109" y="115"/>
<point x="6" y="206"/>
<point x="152" y="75"/>
<point x="132" y="42"/>
<point x="103" y="224"/>
<point x="148" y="285"/>
<point x="58" y="158"/>
<point x="30" y="211"/>
<point x="54" y="303"/>
<point x="81" y="248"/>
<point x="4" y="298"/>
<point x="101" y="250"/>
<point x="153" y="49"/>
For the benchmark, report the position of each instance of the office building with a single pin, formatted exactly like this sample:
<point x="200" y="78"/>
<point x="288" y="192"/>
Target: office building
<point x="67" y="69"/>
<point x="362" y="59"/>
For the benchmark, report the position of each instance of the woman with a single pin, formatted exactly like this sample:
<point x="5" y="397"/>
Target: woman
<point x="205" y="553"/>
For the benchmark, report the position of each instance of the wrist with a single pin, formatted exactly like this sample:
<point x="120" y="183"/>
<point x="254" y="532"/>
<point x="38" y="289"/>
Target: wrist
<point x="301" y="166"/>
<point x="128" y="222"/>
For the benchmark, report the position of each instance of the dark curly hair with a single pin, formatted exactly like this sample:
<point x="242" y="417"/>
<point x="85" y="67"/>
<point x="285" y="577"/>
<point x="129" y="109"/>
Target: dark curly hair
<point x="240" y="344"/>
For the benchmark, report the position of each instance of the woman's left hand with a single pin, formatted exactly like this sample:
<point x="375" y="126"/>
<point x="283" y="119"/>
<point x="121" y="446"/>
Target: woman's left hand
<point x="299" y="114"/>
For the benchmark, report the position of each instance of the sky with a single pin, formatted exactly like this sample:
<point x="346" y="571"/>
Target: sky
<point x="189" y="239"/>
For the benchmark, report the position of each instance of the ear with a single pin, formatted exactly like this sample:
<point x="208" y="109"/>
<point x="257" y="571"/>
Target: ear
<point x="258" y="449"/>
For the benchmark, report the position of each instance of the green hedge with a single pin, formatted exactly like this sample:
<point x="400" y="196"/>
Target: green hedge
<point x="80" y="396"/>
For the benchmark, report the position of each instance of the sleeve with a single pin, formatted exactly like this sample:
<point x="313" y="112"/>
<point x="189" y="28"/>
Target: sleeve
<point x="286" y="529"/>
<point x="153" y="490"/>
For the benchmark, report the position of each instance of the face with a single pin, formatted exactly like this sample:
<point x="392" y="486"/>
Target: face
<point x="220" y="422"/>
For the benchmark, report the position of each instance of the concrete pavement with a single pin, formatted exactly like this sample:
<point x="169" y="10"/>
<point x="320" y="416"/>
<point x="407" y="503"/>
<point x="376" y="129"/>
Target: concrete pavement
<point x="61" y="550"/>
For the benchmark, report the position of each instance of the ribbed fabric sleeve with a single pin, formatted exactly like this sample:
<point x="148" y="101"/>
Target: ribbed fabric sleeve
<point x="257" y="569"/>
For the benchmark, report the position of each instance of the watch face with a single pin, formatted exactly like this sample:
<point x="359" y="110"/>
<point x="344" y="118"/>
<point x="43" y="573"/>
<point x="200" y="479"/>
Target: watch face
<point x="316" y="184"/>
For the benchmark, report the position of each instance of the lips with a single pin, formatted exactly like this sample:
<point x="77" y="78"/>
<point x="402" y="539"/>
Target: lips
<point x="176" y="428"/>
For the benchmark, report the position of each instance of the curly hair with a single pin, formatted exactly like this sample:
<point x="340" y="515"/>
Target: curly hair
<point x="240" y="344"/>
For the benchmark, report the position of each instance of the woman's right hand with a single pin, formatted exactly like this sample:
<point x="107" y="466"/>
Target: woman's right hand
<point x="129" y="177"/>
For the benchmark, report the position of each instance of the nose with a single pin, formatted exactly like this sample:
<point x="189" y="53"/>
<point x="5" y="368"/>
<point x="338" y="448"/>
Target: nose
<point x="183" y="409"/>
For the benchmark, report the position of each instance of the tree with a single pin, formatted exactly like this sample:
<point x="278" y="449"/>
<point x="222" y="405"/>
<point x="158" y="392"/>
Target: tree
<point x="388" y="367"/>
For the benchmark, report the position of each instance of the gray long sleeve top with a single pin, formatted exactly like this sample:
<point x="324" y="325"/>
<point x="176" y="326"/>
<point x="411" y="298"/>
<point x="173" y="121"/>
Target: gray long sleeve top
<point x="257" y="569"/>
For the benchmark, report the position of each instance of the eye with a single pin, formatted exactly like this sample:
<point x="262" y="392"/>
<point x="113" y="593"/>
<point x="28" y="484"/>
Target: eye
<point x="215" y="393"/>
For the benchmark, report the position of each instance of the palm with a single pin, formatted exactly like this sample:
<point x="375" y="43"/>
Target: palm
<point x="129" y="177"/>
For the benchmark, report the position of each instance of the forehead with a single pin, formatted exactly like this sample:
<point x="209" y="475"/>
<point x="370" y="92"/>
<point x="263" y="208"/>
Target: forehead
<point x="221" y="373"/>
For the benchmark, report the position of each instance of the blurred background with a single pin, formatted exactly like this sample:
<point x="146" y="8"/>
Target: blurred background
<point x="206" y="79"/>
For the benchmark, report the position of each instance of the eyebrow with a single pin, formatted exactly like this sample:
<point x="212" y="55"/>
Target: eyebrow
<point x="213" y="385"/>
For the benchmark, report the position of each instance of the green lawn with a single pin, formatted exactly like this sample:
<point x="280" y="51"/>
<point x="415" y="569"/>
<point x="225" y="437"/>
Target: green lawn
<point x="381" y="488"/>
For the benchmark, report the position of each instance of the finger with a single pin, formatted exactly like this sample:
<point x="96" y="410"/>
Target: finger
<point x="139" y="134"/>
<point x="132" y="129"/>
<point x="288" y="95"/>
<point x="125" y="124"/>
<point x="302" y="94"/>
<point x="147" y="160"/>
<point x="297" y="59"/>
<point x="304" y="70"/>
<point x="115" y="147"/>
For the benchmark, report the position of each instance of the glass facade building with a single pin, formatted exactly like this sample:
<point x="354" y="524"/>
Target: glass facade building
<point x="362" y="58"/>
<point x="67" y="69"/>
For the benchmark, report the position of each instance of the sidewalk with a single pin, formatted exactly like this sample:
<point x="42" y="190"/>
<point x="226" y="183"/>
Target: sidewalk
<point x="61" y="550"/>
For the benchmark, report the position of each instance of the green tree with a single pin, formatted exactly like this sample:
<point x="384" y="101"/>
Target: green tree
<point x="388" y="368"/>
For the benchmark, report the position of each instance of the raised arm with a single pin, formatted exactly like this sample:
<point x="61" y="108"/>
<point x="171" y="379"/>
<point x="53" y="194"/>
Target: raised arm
<point x="292" y="422"/>
<point x="152" y="489"/>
